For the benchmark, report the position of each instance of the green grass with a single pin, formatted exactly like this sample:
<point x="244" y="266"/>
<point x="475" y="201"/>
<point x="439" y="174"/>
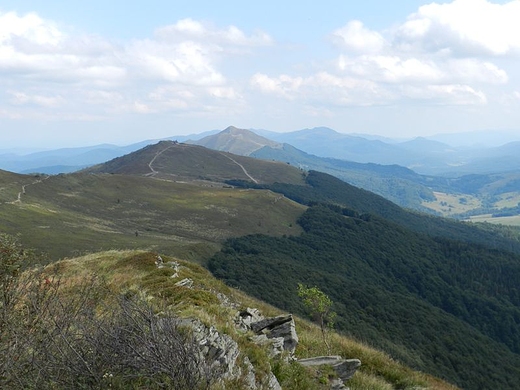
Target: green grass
<point x="510" y="221"/>
<point x="67" y="215"/>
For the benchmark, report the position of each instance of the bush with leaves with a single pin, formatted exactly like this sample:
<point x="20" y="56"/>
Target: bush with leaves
<point x="320" y="306"/>
<point x="85" y="337"/>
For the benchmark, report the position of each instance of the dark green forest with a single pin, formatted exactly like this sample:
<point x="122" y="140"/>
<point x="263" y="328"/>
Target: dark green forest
<point x="324" y="188"/>
<point x="420" y="288"/>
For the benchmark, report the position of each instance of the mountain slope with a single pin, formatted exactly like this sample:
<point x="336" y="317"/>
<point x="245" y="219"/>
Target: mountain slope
<point x="445" y="307"/>
<point x="177" y="161"/>
<point x="325" y="188"/>
<point x="398" y="184"/>
<point x="90" y="292"/>
<point x="165" y="199"/>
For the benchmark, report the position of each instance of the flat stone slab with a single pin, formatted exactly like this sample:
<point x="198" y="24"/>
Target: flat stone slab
<point x="320" y="360"/>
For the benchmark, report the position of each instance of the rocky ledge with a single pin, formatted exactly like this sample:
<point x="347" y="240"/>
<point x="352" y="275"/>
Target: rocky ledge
<point x="277" y="334"/>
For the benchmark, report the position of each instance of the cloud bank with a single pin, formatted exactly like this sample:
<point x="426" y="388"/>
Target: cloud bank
<point x="456" y="54"/>
<point x="444" y="54"/>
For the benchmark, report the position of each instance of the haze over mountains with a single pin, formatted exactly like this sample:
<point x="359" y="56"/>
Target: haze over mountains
<point x="422" y="174"/>
<point x="444" y="154"/>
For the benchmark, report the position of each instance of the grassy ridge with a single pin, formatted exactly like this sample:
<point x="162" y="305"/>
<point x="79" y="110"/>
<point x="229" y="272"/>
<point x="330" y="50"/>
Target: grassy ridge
<point x="69" y="214"/>
<point x="190" y="162"/>
<point x="135" y="271"/>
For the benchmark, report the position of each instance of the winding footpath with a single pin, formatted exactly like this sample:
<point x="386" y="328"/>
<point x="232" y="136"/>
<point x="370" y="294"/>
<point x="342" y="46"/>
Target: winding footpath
<point x="24" y="186"/>
<point x="153" y="171"/>
<point x="241" y="166"/>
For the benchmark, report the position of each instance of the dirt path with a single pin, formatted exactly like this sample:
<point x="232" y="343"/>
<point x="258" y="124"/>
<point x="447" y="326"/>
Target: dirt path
<point x="153" y="171"/>
<point x="22" y="192"/>
<point x="241" y="166"/>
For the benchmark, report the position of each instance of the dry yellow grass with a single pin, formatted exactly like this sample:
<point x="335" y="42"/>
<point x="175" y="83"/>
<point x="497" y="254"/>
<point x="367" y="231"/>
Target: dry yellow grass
<point x="124" y="271"/>
<point x="450" y="204"/>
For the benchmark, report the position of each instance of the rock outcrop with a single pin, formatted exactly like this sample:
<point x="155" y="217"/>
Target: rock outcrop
<point x="223" y="358"/>
<point x="344" y="368"/>
<point x="279" y="333"/>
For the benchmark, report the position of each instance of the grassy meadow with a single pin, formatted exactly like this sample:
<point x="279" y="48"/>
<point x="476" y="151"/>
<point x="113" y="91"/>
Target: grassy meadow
<point x="67" y="215"/>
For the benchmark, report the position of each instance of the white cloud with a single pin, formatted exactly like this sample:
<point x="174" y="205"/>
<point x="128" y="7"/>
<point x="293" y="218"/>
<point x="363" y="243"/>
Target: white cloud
<point x="464" y="27"/>
<point x="450" y="94"/>
<point x="21" y="98"/>
<point x="354" y="36"/>
<point x="396" y="69"/>
<point x="30" y="28"/>
<point x="322" y="88"/>
<point x="442" y="54"/>
<point x="34" y="47"/>
<point x="141" y="108"/>
<point x="392" y="69"/>
<point x="282" y="85"/>
<point x="452" y="53"/>
<point x="186" y="62"/>
<point x="87" y="71"/>
<point x="194" y="30"/>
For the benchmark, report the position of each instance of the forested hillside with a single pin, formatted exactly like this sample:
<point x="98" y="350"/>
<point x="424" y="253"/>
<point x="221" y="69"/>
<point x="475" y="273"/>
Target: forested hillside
<point x="324" y="188"/>
<point x="425" y="292"/>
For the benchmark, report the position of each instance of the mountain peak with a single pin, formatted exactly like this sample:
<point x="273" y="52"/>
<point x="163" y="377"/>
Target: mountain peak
<point x="232" y="129"/>
<point x="237" y="141"/>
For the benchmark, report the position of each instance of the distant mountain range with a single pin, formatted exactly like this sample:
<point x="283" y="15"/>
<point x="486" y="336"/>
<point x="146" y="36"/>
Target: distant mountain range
<point x="451" y="155"/>
<point x="68" y="160"/>
<point x="397" y="183"/>
<point x="407" y="172"/>
<point x="427" y="156"/>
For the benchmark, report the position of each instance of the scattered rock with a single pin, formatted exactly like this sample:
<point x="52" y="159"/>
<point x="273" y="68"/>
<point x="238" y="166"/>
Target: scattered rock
<point x="224" y="300"/>
<point x="347" y="368"/>
<point x="279" y="327"/>
<point x="344" y="368"/>
<point x="270" y="323"/>
<point x="246" y="317"/>
<point x="186" y="282"/>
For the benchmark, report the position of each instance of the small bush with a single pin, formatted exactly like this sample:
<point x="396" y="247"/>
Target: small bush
<point x="57" y="338"/>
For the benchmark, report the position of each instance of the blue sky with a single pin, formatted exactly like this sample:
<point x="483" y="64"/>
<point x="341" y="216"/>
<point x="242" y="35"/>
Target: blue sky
<point x="87" y="72"/>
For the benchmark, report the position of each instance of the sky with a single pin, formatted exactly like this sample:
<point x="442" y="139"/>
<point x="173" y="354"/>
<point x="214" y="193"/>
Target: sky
<point x="78" y="73"/>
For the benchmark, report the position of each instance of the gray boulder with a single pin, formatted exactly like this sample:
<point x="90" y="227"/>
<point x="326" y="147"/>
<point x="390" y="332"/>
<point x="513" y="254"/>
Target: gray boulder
<point x="281" y="327"/>
<point x="344" y="368"/>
